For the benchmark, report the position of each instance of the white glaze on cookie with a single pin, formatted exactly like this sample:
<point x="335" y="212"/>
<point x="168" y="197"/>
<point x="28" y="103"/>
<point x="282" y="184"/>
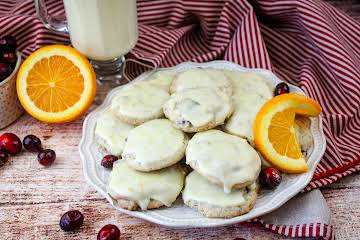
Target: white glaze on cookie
<point x="139" y="102"/>
<point x="161" y="79"/>
<point x="111" y="132"/>
<point x="196" y="78"/>
<point x="252" y="83"/>
<point x="197" y="188"/>
<point x="242" y="120"/>
<point x="163" y="185"/>
<point x="198" y="107"/>
<point x="251" y="91"/>
<point x="223" y="158"/>
<point x="154" y="145"/>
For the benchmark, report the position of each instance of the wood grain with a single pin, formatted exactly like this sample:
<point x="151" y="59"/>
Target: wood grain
<point x="33" y="198"/>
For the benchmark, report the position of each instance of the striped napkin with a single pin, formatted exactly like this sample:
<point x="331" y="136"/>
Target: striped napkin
<point x="308" y="43"/>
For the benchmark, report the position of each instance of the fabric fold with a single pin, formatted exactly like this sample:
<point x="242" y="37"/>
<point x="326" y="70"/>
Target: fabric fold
<point x="306" y="215"/>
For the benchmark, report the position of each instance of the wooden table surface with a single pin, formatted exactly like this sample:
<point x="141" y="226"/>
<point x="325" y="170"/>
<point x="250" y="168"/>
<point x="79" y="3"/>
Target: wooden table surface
<point x="33" y="198"/>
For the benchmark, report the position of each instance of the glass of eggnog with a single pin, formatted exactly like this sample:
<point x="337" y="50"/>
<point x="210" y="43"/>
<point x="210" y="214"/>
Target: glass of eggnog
<point x="102" y="30"/>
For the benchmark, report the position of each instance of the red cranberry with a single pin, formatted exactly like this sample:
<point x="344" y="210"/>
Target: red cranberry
<point x="32" y="143"/>
<point x="10" y="143"/>
<point x="46" y="157"/>
<point x="5" y="71"/>
<point x="109" y="232"/>
<point x="3" y="157"/>
<point x="8" y="57"/>
<point x="281" y="88"/>
<point x="8" y="43"/>
<point x="270" y="178"/>
<point x="71" y="220"/>
<point x="108" y="161"/>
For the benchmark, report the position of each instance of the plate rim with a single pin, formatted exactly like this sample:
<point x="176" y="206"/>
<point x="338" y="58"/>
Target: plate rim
<point x="148" y="215"/>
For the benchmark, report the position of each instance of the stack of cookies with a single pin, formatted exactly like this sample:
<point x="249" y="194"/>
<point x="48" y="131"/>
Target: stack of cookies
<point x="199" y="115"/>
<point x="223" y="183"/>
<point x="148" y="175"/>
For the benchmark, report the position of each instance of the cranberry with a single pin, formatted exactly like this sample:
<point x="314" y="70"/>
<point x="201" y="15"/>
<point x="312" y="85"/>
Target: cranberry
<point x="108" y="161"/>
<point x="8" y="57"/>
<point x="8" y="43"/>
<point x="5" y="71"/>
<point x="270" y="178"/>
<point x="71" y="220"/>
<point x="32" y="143"/>
<point x="281" y="88"/>
<point x="10" y="143"/>
<point x="46" y="157"/>
<point x="109" y="232"/>
<point x="3" y="157"/>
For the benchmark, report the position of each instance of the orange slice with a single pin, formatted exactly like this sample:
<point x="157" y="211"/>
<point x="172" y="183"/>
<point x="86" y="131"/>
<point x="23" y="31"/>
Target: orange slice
<point x="274" y="132"/>
<point x="56" y="84"/>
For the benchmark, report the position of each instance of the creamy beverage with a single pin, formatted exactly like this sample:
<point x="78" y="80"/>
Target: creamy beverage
<point x="102" y="29"/>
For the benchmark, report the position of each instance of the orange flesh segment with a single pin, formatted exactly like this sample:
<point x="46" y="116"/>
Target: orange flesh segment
<point x="282" y="134"/>
<point x="54" y="84"/>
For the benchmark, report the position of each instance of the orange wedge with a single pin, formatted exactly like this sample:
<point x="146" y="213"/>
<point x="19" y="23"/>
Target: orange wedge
<point x="274" y="132"/>
<point x="56" y="84"/>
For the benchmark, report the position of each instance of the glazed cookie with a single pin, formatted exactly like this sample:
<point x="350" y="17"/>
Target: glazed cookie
<point x="244" y="83"/>
<point x="211" y="201"/>
<point x="225" y="160"/>
<point x="154" y="145"/>
<point x="198" y="77"/>
<point x="110" y="132"/>
<point x="139" y="103"/>
<point x="251" y="91"/>
<point x="162" y="79"/>
<point x="241" y="122"/>
<point x="198" y="109"/>
<point x="133" y="189"/>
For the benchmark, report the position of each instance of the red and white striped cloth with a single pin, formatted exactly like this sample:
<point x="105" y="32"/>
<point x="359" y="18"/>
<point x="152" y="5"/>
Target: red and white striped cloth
<point x="308" y="43"/>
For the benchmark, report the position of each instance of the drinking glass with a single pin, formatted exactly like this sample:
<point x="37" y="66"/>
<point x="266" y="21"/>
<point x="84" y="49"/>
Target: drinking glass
<point x="102" y="30"/>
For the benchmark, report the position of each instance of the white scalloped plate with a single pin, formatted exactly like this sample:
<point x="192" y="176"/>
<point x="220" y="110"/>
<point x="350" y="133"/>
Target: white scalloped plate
<point x="179" y="215"/>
